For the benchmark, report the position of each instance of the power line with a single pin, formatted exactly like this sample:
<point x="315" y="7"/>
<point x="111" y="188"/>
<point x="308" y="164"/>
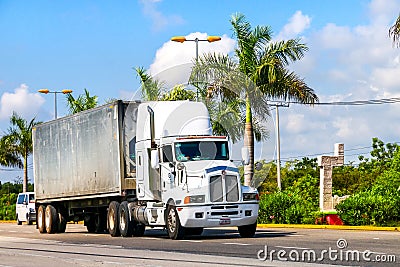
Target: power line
<point x="10" y="170"/>
<point x="286" y="159"/>
<point x="352" y="103"/>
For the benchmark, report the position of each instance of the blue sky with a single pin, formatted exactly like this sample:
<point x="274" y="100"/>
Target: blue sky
<point x="95" y="45"/>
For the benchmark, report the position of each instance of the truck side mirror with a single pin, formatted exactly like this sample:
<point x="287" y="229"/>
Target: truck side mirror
<point x="154" y="160"/>
<point x="245" y="155"/>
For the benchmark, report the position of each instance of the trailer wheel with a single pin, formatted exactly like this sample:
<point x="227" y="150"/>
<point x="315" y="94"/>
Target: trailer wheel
<point x="138" y="229"/>
<point x="100" y="224"/>
<point x="125" y="222"/>
<point x="62" y="223"/>
<point x="89" y="223"/>
<point x="51" y="219"/>
<point x="174" y="227"/>
<point x="40" y="220"/>
<point x="247" y="230"/>
<point x="113" y="219"/>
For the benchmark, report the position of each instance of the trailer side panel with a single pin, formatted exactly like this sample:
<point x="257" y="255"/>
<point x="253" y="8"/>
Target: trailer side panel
<point x="79" y="155"/>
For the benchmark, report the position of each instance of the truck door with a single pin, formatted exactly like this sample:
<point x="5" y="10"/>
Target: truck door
<point x="166" y="171"/>
<point x="140" y="174"/>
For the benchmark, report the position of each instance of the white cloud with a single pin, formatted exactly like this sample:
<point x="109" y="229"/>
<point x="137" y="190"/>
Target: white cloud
<point x="296" y="25"/>
<point x="335" y="37"/>
<point x="295" y="123"/>
<point x="160" y="21"/>
<point x="21" y="101"/>
<point x="382" y="10"/>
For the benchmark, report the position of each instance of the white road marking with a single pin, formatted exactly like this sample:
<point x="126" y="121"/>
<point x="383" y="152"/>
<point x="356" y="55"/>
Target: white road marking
<point x="376" y="238"/>
<point x="192" y="241"/>
<point x="291" y="247"/>
<point x="238" y="244"/>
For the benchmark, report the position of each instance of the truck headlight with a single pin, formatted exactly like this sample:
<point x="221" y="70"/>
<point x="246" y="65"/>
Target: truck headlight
<point x="250" y="196"/>
<point x="194" y="199"/>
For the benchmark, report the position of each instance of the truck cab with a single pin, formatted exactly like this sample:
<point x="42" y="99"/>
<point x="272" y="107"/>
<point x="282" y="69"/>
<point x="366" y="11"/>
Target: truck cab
<point x="191" y="175"/>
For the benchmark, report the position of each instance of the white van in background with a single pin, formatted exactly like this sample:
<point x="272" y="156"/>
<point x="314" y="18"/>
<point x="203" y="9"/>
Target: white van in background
<point x="25" y="208"/>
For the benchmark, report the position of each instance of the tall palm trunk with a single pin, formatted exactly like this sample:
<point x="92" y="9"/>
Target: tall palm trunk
<point x="25" y="181"/>
<point x="249" y="143"/>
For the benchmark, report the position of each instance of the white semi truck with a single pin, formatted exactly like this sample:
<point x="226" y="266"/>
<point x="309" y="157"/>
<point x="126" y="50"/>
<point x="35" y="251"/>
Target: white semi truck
<point x="127" y="165"/>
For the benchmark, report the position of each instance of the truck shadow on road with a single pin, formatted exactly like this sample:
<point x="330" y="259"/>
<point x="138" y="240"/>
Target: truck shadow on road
<point x="209" y="234"/>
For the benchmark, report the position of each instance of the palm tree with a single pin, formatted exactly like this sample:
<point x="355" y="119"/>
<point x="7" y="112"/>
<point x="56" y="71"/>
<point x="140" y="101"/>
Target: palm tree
<point x="151" y="88"/>
<point x="19" y="136"/>
<point x="83" y="102"/>
<point x="256" y="74"/>
<point x="179" y="92"/>
<point x="8" y="154"/>
<point x="394" y="32"/>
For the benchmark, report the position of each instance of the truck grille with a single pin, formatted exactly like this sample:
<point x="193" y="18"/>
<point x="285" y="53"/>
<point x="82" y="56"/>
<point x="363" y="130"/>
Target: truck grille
<point x="224" y="188"/>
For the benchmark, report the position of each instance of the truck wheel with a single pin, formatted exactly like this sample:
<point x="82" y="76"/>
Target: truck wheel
<point x="40" y="220"/>
<point x="194" y="231"/>
<point x="100" y="222"/>
<point x="90" y="225"/>
<point x="125" y="222"/>
<point x="138" y="229"/>
<point x="113" y="219"/>
<point x="51" y="220"/>
<point x="174" y="227"/>
<point x="18" y="221"/>
<point x="30" y="222"/>
<point x="247" y="230"/>
<point x="62" y="223"/>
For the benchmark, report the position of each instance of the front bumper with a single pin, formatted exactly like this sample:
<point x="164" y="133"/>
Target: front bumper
<point x="217" y="215"/>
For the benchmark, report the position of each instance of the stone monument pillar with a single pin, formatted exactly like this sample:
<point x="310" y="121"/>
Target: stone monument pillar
<point x="326" y="164"/>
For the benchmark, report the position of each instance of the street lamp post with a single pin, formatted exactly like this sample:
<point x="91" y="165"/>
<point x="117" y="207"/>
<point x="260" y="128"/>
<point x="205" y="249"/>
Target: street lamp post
<point x="210" y="39"/>
<point x="46" y="91"/>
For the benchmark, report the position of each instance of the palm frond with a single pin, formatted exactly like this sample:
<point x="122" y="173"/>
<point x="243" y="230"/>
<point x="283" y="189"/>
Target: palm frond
<point x="394" y="32"/>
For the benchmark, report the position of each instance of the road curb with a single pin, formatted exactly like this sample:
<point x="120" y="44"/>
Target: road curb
<point x="335" y="227"/>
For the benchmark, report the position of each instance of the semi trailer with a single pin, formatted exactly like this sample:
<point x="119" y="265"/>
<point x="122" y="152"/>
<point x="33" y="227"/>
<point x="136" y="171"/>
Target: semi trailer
<point x="128" y="165"/>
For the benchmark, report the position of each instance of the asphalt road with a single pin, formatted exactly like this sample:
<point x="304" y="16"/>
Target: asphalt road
<point x="24" y="246"/>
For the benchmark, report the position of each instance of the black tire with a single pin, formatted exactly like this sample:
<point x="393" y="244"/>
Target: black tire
<point x="113" y="219"/>
<point x="126" y="225"/>
<point x="62" y="223"/>
<point x="40" y="220"/>
<point x="247" y="231"/>
<point x="51" y="220"/>
<point x="90" y="224"/>
<point x="100" y="224"/>
<point x="194" y="231"/>
<point x="175" y="229"/>
<point x="138" y="229"/>
<point x="18" y="221"/>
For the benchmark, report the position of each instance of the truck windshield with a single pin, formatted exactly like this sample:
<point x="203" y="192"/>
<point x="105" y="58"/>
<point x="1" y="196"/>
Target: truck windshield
<point x="201" y="150"/>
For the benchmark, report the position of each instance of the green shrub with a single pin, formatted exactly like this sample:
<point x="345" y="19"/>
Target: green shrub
<point x="285" y="207"/>
<point x="378" y="205"/>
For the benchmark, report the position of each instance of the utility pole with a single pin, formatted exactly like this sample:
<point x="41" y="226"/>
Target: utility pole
<point x="278" y="141"/>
